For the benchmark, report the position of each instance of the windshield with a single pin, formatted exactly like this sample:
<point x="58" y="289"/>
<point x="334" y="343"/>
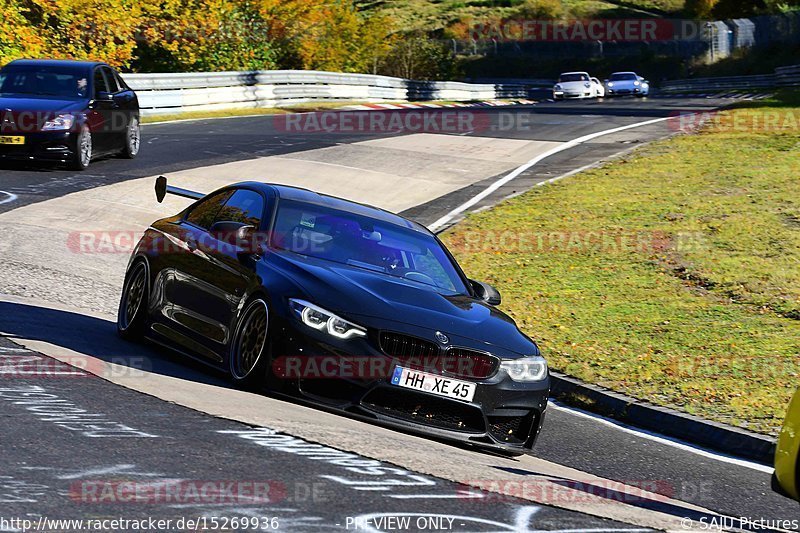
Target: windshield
<point x="564" y="78"/>
<point x="366" y="243"/>
<point x="624" y="76"/>
<point x="44" y="81"/>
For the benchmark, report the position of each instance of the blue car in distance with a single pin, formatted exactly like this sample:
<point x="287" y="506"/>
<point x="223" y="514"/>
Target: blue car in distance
<point x="627" y="84"/>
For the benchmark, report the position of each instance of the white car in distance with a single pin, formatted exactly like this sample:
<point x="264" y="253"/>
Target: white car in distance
<point x="599" y="88"/>
<point x="577" y="85"/>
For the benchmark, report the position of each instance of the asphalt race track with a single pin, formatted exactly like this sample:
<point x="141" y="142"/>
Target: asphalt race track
<point x="168" y="423"/>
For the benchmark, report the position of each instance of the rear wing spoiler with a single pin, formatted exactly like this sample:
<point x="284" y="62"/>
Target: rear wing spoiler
<point x="162" y="189"/>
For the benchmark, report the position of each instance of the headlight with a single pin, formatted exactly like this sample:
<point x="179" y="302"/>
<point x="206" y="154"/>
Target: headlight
<point x="557" y="88"/>
<point x="587" y="84"/>
<point x="527" y="369"/>
<point x="61" y="122"/>
<point x="636" y="83"/>
<point x="611" y="84"/>
<point x="322" y="320"/>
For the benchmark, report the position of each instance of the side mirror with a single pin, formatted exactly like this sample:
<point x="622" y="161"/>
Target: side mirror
<point x="249" y="242"/>
<point x="241" y="235"/>
<point x="103" y="96"/>
<point x="486" y="292"/>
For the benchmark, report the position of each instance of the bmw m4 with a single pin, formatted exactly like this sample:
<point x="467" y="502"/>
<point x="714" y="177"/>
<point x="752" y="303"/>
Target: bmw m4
<point x="340" y="304"/>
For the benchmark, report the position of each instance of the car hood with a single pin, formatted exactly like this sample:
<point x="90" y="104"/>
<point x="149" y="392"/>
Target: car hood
<point x="381" y="301"/>
<point x="39" y="105"/>
<point x="573" y="85"/>
<point x="625" y="84"/>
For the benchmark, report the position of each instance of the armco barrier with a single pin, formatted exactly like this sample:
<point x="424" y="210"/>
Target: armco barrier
<point x="783" y="77"/>
<point x="767" y="81"/>
<point x="203" y="91"/>
<point x="788" y="76"/>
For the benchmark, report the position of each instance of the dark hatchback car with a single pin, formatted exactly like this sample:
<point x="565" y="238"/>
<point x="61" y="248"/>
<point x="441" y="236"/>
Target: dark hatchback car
<point x="66" y="111"/>
<point x="344" y="305"/>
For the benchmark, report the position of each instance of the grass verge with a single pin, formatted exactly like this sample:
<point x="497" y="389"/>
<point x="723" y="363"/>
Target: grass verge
<point x="225" y="113"/>
<point x="672" y="275"/>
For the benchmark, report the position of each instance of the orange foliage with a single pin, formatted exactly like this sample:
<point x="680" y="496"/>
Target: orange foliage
<point x="196" y="34"/>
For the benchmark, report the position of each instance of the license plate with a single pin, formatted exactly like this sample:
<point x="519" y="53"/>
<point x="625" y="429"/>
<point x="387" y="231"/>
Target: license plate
<point x="17" y="139"/>
<point x="433" y="384"/>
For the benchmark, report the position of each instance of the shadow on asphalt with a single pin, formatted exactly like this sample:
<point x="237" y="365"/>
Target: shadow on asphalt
<point x="12" y="165"/>
<point x="634" y="498"/>
<point x="98" y="338"/>
<point x="649" y="503"/>
<point x="603" y="108"/>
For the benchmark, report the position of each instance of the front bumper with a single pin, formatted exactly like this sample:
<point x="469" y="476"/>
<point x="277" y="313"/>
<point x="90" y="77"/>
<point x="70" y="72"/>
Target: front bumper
<point x="636" y="91"/>
<point x="504" y="415"/>
<point x="56" y="146"/>
<point x="557" y="95"/>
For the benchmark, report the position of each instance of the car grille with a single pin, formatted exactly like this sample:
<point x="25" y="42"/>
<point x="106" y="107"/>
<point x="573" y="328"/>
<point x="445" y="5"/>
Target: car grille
<point x="406" y="347"/>
<point x="425" y="355"/>
<point x="426" y="410"/>
<point x="511" y="429"/>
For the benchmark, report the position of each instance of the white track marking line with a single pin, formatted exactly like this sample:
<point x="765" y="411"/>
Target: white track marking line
<point x="661" y="439"/>
<point x="465" y="496"/>
<point x="9" y="197"/>
<point x="515" y="173"/>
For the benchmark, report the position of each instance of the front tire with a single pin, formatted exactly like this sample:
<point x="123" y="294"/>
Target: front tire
<point x="250" y="348"/>
<point x="132" y="313"/>
<point x="82" y="156"/>
<point x="133" y="139"/>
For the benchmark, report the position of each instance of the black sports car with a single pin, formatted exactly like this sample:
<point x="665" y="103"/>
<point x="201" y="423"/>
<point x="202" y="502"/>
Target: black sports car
<point x="66" y="111"/>
<point x="341" y="304"/>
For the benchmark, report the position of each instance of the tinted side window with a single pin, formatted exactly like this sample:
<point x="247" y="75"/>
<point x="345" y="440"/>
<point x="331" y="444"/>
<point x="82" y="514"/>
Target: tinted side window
<point x="122" y="85"/>
<point x="245" y="206"/>
<point x="100" y="84"/>
<point x="204" y="213"/>
<point x="112" y="81"/>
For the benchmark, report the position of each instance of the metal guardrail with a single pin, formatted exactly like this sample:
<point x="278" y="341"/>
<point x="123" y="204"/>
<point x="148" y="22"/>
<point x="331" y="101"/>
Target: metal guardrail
<point x="177" y="93"/>
<point x="788" y="76"/>
<point x="783" y="77"/>
<point x="723" y="83"/>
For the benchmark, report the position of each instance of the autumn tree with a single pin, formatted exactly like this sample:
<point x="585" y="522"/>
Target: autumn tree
<point x="100" y="30"/>
<point x="18" y="37"/>
<point x="208" y="35"/>
<point x="700" y="9"/>
<point x="341" y="39"/>
<point x="419" y="57"/>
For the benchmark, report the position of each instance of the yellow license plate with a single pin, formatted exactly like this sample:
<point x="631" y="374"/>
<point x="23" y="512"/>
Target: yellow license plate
<point x="12" y="140"/>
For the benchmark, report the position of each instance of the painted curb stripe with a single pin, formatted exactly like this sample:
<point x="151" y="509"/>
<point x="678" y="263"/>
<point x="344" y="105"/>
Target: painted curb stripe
<point x="443" y="221"/>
